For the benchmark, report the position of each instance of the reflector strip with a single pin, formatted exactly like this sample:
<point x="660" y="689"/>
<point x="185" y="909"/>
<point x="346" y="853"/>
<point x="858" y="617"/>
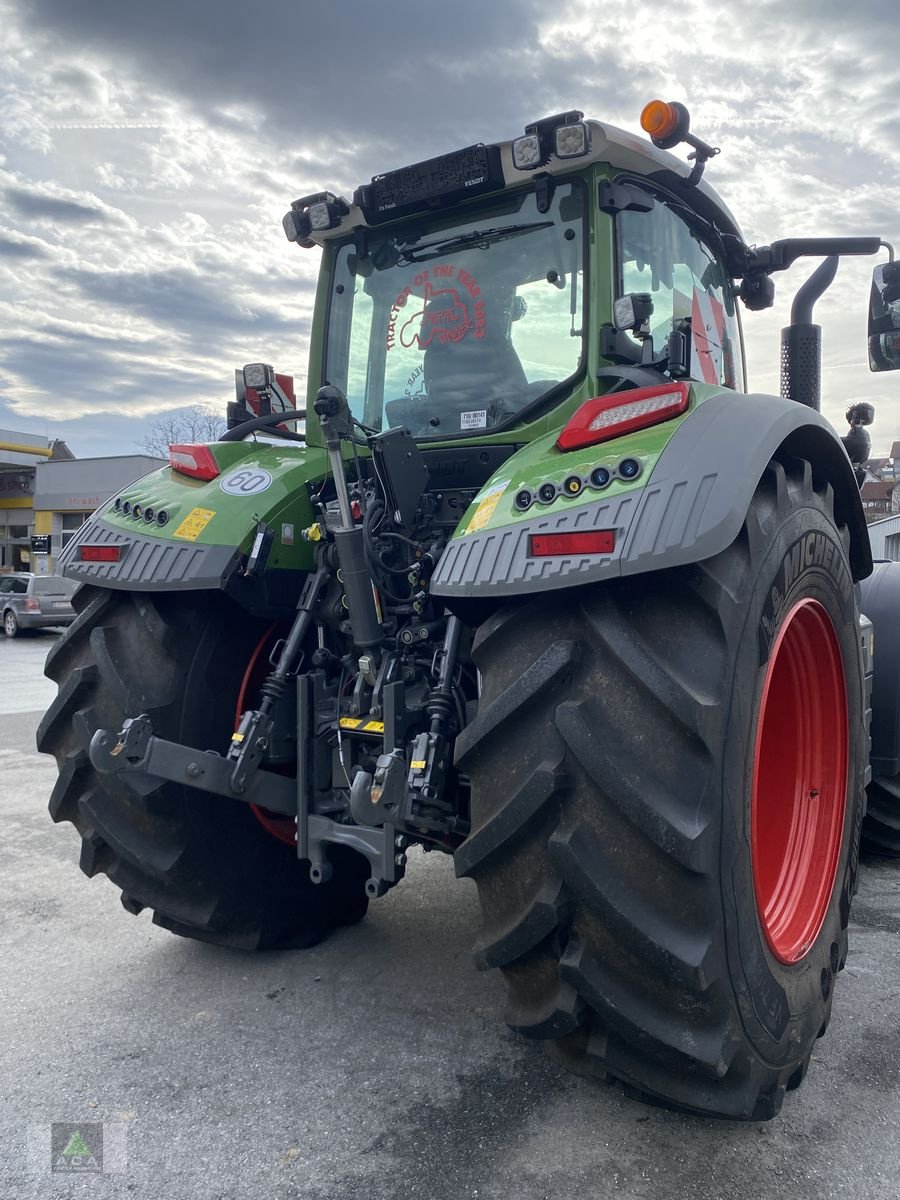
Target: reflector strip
<point x="100" y="553"/>
<point x="596" y="541"/>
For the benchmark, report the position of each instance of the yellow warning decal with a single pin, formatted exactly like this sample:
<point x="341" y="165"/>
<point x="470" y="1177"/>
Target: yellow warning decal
<point x="362" y="725"/>
<point x="237" y="737"/>
<point x="418" y="764"/>
<point x="486" y="506"/>
<point x="194" y="524"/>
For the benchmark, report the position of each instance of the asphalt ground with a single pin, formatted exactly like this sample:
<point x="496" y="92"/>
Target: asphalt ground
<point x="374" y="1066"/>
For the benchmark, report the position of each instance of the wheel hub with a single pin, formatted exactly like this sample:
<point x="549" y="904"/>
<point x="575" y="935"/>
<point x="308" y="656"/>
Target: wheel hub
<point x="281" y="827"/>
<point x="798" y="797"/>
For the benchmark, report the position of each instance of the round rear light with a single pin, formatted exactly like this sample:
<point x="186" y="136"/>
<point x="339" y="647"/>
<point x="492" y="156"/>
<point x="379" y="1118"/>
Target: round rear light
<point x="629" y="468"/>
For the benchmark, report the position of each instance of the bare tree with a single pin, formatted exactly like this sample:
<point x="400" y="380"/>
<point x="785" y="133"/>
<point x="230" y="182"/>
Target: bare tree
<point x="196" y="423"/>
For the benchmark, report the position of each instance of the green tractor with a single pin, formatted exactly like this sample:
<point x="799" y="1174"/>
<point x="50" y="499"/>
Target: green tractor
<point x="532" y="581"/>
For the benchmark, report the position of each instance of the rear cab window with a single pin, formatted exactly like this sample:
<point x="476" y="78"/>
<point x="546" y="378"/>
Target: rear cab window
<point x="663" y="254"/>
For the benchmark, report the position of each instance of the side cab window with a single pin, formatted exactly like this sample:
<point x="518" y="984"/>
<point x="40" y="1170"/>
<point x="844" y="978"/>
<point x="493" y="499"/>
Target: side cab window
<point x="662" y="254"/>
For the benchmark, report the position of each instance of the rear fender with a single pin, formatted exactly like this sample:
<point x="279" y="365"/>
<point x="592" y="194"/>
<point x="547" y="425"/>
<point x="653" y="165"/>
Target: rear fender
<point x="210" y="527"/>
<point x="691" y="508"/>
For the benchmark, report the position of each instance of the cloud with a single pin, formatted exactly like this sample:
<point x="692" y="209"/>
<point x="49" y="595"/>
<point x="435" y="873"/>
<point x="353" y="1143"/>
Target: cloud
<point x="178" y="299"/>
<point x="157" y="147"/>
<point x="16" y="246"/>
<point x="30" y="203"/>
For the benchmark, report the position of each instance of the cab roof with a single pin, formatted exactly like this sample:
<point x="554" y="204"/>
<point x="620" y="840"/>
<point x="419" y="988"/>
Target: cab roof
<point x="608" y="144"/>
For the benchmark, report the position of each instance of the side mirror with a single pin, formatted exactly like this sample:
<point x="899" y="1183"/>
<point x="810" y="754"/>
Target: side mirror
<point x="884" y="318"/>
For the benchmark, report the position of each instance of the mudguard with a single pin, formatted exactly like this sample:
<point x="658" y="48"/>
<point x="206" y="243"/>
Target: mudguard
<point x="210" y="525"/>
<point x="880" y="601"/>
<point x="692" y="506"/>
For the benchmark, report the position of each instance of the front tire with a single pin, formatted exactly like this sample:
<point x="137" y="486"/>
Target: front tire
<point x="203" y="863"/>
<point x="628" y="884"/>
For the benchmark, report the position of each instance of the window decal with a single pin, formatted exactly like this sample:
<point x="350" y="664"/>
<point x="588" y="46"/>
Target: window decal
<point x="443" y="313"/>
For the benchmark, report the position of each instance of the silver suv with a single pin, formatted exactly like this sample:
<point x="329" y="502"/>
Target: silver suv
<point x="35" y="601"/>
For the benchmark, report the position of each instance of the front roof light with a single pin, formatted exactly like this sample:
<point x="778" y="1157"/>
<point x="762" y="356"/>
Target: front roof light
<point x="526" y="152"/>
<point x="320" y="211"/>
<point x="319" y="216"/>
<point x="572" y="140"/>
<point x="297" y="227"/>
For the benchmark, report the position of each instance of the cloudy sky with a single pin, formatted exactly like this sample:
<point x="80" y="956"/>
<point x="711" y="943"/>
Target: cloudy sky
<point x="149" y="150"/>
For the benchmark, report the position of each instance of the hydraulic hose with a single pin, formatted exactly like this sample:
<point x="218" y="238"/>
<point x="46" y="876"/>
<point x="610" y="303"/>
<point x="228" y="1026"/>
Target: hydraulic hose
<point x="240" y="431"/>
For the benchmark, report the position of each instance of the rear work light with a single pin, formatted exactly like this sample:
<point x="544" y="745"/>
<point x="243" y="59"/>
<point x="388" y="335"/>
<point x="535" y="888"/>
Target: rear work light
<point x="610" y="416"/>
<point x="196" y="461"/>
<point x="100" y="553"/>
<point x="595" y="541"/>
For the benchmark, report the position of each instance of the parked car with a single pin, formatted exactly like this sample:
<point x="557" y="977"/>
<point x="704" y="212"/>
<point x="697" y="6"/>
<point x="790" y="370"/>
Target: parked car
<point x="35" y="601"/>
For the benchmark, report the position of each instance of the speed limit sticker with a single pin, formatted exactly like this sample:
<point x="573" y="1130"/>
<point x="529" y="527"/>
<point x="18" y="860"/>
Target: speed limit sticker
<point x="248" y="481"/>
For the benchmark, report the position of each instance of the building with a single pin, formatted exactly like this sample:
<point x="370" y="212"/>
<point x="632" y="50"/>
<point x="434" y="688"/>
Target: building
<point x="878" y="497"/>
<point x="884" y="536"/>
<point x="19" y="455"/>
<point x="66" y="493"/>
<point x="45" y="490"/>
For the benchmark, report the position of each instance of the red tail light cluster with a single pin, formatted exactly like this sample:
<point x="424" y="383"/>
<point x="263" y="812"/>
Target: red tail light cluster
<point x="610" y="416"/>
<point x="196" y="461"/>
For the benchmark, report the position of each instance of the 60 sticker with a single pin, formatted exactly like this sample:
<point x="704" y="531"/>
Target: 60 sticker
<point x="248" y="481"/>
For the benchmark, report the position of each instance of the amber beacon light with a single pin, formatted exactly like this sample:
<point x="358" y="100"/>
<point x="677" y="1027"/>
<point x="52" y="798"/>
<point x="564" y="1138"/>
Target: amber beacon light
<point x="667" y="123"/>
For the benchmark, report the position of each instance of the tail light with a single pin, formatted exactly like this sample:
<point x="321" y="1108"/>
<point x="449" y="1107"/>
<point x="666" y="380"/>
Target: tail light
<point x="592" y="541"/>
<point x="32" y="604"/>
<point x="610" y="416"/>
<point x="100" y="553"/>
<point x="196" y="461"/>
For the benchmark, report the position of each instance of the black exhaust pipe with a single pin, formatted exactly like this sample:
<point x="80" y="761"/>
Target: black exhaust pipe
<point x="801" y="341"/>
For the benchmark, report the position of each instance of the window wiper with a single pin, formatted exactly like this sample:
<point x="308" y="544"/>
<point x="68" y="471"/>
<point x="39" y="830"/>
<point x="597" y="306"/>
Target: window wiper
<point x="477" y="238"/>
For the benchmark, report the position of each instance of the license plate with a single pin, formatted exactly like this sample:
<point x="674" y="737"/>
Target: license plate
<point x="61" y="604"/>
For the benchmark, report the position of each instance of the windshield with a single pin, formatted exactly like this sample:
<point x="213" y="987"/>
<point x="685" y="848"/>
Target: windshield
<point x="455" y="326"/>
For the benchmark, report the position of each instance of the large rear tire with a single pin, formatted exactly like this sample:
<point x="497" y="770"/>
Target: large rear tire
<point x="665" y="878"/>
<point x="881" y="828"/>
<point x="880" y="601"/>
<point x="205" y="865"/>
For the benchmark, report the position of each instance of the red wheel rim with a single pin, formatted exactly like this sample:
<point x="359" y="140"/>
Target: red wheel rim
<point x="798" y="798"/>
<point x="282" y="827"/>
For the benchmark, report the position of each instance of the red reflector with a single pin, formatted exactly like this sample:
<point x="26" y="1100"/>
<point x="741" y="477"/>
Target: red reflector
<point x="196" y="461"/>
<point x="596" y="541"/>
<point x="100" y="553"/>
<point x="610" y="416"/>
